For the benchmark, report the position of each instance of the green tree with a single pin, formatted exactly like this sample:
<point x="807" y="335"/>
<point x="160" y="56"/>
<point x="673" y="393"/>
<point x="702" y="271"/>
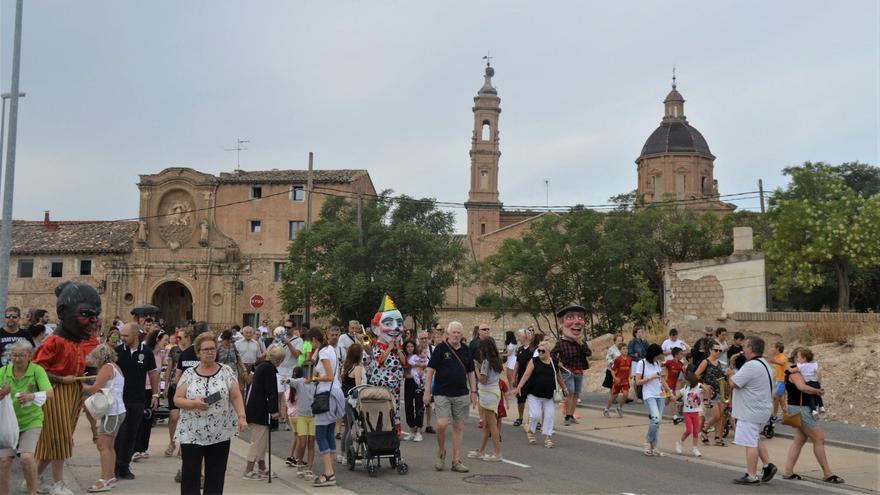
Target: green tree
<point x="820" y="222"/>
<point x="403" y="247"/>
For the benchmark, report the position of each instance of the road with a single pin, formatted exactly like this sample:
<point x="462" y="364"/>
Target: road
<point x="578" y="464"/>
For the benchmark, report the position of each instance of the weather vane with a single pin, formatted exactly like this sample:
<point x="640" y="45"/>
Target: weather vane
<point x="488" y="58"/>
<point x="673" y="76"/>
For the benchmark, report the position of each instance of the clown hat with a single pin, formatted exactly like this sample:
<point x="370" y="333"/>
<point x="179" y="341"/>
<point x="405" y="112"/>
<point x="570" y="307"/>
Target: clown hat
<point x="387" y="304"/>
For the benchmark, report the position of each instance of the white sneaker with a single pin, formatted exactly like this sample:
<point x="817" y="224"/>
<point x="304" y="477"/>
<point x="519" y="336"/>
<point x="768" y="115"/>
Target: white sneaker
<point x="59" y="488"/>
<point x="697" y="452"/>
<point x="340" y="459"/>
<point x="42" y="486"/>
<point x="417" y="437"/>
<point x="406" y="437"/>
<point x="679" y="448"/>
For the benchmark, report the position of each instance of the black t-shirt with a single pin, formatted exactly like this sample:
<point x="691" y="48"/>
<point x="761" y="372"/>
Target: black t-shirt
<point x="793" y="395"/>
<point x="523" y="355"/>
<point x="6" y="341"/>
<point x="187" y="359"/>
<point x="450" y="377"/>
<point x="542" y="381"/>
<point x="135" y="363"/>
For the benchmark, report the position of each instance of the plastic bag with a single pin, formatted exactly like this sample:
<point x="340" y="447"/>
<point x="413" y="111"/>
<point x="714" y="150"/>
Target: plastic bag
<point x="8" y="424"/>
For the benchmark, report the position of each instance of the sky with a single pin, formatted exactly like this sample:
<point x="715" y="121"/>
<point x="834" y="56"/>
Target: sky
<point x="117" y="88"/>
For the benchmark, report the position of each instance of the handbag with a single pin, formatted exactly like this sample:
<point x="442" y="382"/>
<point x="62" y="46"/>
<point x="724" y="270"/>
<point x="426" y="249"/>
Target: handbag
<point x="609" y="380"/>
<point x="793" y="420"/>
<point x="8" y="424"/>
<point x="558" y="396"/>
<point x="99" y="403"/>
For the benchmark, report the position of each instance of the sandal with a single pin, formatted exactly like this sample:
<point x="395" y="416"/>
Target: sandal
<point x="792" y="476"/>
<point x="704" y="437"/>
<point x="169" y="452"/>
<point x="324" y="480"/>
<point x="101" y="485"/>
<point x="719" y="442"/>
<point x="532" y="439"/>
<point x="835" y="479"/>
<point x="517" y="422"/>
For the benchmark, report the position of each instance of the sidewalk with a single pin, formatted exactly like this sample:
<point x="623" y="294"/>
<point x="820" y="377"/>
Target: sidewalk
<point x="860" y="469"/>
<point x="839" y="434"/>
<point x="155" y="476"/>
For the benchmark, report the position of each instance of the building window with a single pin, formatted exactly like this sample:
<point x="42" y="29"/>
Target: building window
<point x="704" y="184"/>
<point x="279" y="269"/>
<point x="484" y="179"/>
<point x="56" y="269"/>
<point x="256" y="192"/>
<point x="482" y="228"/>
<point x="25" y="268"/>
<point x="249" y="320"/>
<point x="655" y="186"/>
<point x="487" y="129"/>
<point x="297" y="193"/>
<point x="293" y="228"/>
<point x="85" y="267"/>
<point x="256" y="226"/>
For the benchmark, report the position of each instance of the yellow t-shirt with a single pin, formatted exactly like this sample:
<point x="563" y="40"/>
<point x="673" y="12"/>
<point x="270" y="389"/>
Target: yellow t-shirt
<point x="779" y="363"/>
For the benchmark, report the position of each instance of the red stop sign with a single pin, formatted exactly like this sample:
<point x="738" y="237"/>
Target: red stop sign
<point x="257" y="301"/>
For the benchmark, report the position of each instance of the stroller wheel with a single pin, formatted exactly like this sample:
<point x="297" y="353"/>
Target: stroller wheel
<point x="769" y="431"/>
<point x="402" y="468"/>
<point x="372" y="470"/>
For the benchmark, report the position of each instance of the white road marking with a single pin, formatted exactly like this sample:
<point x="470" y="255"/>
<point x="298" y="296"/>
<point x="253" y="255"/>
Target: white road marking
<point x="517" y="464"/>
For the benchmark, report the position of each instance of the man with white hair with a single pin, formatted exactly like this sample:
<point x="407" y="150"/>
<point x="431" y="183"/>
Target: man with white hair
<point x="349" y="338"/>
<point x="450" y="375"/>
<point x="250" y="350"/>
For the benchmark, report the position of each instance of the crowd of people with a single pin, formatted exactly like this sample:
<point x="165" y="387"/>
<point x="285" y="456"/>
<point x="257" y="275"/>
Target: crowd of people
<point x="214" y="385"/>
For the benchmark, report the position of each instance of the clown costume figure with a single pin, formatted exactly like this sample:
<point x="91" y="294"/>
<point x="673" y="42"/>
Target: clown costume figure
<point x="384" y="358"/>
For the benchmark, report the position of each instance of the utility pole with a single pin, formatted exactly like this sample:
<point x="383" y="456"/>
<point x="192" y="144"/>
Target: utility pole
<point x="238" y="149"/>
<point x="4" y="97"/>
<point x="547" y="192"/>
<point x="308" y="293"/>
<point x="761" y="192"/>
<point x="8" y="186"/>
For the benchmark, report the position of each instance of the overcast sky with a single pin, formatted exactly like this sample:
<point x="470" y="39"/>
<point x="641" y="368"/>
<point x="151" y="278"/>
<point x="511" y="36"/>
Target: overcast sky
<point x="119" y="88"/>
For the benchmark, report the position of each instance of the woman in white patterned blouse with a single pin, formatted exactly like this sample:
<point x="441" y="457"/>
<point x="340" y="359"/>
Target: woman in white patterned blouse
<point x="212" y="411"/>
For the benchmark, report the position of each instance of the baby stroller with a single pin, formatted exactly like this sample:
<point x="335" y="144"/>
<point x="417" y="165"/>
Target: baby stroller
<point x="373" y="435"/>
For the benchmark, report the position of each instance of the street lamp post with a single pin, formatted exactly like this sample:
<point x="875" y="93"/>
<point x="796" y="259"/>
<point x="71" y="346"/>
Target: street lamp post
<point x="4" y="97"/>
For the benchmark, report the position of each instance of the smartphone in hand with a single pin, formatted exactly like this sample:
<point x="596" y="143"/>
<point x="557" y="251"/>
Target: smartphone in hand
<point x="212" y="398"/>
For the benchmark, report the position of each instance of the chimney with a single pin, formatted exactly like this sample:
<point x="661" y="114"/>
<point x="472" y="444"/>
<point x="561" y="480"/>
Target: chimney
<point x="49" y="224"/>
<point x="742" y="240"/>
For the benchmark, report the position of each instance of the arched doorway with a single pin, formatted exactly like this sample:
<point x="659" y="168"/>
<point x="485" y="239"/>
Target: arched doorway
<point x="175" y="303"/>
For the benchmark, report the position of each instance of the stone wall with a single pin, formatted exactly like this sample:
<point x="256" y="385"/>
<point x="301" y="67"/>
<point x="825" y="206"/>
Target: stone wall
<point x="470" y="317"/>
<point x="700" y="298"/>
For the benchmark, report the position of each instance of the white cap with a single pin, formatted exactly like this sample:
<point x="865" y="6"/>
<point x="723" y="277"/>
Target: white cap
<point x="279" y="331"/>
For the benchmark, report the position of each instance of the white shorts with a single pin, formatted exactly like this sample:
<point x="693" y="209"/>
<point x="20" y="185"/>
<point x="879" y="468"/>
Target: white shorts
<point x="747" y="433"/>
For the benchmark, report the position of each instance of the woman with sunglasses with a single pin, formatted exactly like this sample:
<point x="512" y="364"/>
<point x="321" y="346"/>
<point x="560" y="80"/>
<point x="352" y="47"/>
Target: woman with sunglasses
<point x="711" y="373"/>
<point x="212" y="411"/>
<point x="538" y="383"/>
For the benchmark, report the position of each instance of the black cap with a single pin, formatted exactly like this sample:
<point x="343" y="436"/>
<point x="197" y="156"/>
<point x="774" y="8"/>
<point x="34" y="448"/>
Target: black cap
<point x="568" y="309"/>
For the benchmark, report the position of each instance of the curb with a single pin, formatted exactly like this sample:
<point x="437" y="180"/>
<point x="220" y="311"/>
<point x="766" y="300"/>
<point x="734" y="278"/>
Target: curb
<point x="837" y="443"/>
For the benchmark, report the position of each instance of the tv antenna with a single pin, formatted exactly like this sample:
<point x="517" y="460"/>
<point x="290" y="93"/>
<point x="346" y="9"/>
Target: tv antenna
<point x="239" y="147"/>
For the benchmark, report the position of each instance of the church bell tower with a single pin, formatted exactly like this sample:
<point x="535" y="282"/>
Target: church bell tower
<point x="483" y="206"/>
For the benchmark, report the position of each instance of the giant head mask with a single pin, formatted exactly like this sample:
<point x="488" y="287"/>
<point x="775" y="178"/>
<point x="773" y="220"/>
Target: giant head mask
<point x="79" y="306"/>
<point x="571" y="320"/>
<point x="387" y="324"/>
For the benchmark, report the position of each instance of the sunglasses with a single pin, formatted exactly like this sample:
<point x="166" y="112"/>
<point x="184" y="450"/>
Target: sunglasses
<point x="541" y="351"/>
<point x="716" y="350"/>
<point x="87" y="313"/>
<point x="12" y="317"/>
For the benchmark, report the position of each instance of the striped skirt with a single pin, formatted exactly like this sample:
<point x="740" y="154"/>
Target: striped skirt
<point x="59" y="419"/>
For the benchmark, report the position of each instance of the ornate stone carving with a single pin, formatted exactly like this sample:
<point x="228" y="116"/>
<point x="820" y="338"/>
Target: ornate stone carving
<point x="176" y="225"/>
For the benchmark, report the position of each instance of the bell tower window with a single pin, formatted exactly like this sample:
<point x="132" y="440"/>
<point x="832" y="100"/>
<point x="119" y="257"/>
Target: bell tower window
<point x="484" y="179"/>
<point x="486" y="130"/>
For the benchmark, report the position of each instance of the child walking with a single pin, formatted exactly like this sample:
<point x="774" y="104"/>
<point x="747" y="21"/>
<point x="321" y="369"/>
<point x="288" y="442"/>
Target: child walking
<point x="692" y="395"/>
<point x="673" y="367"/>
<point x="810" y="371"/>
<point x="489" y="393"/>
<point x="620" y="370"/>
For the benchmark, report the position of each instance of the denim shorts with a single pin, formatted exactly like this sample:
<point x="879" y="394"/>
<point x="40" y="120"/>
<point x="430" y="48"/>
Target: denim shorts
<point x="573" y="382"/>
<point x="780" y="388"/>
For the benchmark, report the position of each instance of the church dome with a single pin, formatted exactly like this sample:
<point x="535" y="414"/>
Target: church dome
<point x="676" y="136"/>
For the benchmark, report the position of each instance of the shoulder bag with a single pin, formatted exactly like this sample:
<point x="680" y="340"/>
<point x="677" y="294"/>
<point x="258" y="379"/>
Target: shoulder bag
<point x="558" y="396"/>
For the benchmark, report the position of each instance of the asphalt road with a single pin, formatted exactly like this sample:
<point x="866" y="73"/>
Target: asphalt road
<point x="576" y="465"/>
